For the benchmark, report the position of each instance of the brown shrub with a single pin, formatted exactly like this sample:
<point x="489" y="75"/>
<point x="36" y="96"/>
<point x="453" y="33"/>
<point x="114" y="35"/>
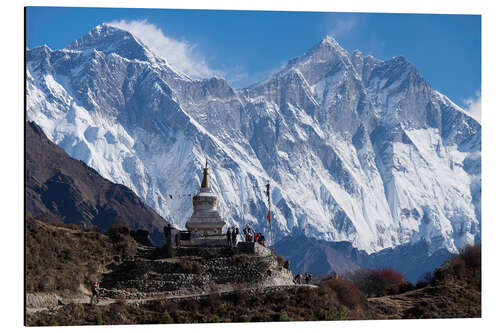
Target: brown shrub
<point x="464" y="266"/>
<point x="471" y="254"/>
<point x="459" y="266"/>
<point x="281" y="260"/>
<point x="345" y="291"/>
<point x="399" y="288"/>
<point x="379" y="282"/>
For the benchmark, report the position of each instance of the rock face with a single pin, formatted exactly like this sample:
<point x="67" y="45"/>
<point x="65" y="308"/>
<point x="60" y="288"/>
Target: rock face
<point x="60" y="187"/>
<point x="357" y="149"/>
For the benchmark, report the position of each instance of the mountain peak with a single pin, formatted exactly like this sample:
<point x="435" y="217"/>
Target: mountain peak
<point x="326" y="50"/>
<point x="110" y="39"/>
<point x="329" y="40"/>
<point x="99" y="34"/>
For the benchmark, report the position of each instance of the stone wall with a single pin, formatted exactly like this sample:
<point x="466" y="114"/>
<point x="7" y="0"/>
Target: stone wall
<point x="42" y="300"/>
<point x="197" y="274"/>
<point x="205" y="241"/>
<point x="253" y="248"/>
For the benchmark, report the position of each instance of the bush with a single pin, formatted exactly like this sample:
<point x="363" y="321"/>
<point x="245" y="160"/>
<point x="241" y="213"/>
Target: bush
<point x="380" y="282"/>
<point x="284" y="316"/>
<point x="118" y="233"/>
<point x="166" y="318"/>
<point x="342" y="314"/>
<point x="399" y="288"/>
<point x="464" y="265"/>
<point x="471" y="254"/>
<point x="245" y="318"/>
<point x="346" y="292"/>
<point x="458" y="266"/>
<point x="99" y="320"/>
<point x="281" y="260"/>
<point x="328" y="315"/>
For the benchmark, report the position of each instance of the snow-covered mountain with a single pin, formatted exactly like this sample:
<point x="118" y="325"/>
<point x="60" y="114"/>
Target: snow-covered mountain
<point x="357" y="149"/>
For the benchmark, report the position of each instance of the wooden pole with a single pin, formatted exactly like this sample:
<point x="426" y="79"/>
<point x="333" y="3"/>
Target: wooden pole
<point x="268" y="193"/>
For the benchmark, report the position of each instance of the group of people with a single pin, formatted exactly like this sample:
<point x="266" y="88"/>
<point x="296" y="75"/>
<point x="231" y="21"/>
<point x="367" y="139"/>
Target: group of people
<point x="300" y="279"/>
<point x="231" y="235"/>
<point x="251" y="236"/>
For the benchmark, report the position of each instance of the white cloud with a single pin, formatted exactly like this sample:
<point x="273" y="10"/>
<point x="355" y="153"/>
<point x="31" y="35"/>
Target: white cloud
<point x="473" y="105"/>
<point x="181" y="55"/>
<point x="342" y="26"/>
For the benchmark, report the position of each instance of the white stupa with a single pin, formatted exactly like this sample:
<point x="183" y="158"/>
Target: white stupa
<point x="205" y="220"/>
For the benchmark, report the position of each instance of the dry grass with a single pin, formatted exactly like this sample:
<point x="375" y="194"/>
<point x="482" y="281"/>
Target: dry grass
<point x="61" y="257"/>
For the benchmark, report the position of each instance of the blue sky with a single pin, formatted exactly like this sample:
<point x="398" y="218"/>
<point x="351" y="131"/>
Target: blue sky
<point x="247" y="46"/>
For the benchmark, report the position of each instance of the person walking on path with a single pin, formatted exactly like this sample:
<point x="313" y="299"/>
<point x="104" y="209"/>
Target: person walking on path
<point x="96" y="289"/>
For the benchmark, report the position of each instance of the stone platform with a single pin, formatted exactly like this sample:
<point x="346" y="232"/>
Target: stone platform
<point x="253" y="248"/>
<point x="215" y="240"/>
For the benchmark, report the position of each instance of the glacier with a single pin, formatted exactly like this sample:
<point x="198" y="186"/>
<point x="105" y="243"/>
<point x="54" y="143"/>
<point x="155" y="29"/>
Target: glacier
<point x="356" y="149"/>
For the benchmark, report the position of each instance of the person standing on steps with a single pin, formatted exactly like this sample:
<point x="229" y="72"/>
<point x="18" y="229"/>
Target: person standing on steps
<point x="246" y="232"/>
<point x="167" y="230"/>
<point x="96" y="289"/>
<point x="229" y="236"/>
<point x="235" y="233"/>
<point x="177" y="240"/>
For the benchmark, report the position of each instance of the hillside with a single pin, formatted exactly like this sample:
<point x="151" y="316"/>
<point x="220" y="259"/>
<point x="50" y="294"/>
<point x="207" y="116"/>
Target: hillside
<point x="146" y="285"/>
<point x="452" y="291"/>
<point x="62" y="188"/>
<point x="65" y="259"/>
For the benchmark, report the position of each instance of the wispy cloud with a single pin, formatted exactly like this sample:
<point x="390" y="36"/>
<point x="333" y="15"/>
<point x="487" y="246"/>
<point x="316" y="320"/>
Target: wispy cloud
<point x="473" y="105"/>
<point x="182" y="55"/>
<point x="341" y="26"/>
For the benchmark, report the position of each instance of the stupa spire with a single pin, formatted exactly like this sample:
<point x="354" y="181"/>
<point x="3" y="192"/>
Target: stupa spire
<point x="205" y="183"/>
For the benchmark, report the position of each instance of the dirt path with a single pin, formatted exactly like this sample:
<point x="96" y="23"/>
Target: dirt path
<point x="140" y="301"/>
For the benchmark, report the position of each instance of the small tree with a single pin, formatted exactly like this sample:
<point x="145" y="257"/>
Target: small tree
<point x="166" y="318"/>
<point x="284" y="316"/>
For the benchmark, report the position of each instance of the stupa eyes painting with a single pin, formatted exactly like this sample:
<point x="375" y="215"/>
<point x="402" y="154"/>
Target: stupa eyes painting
<point x="181" y="173"/>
